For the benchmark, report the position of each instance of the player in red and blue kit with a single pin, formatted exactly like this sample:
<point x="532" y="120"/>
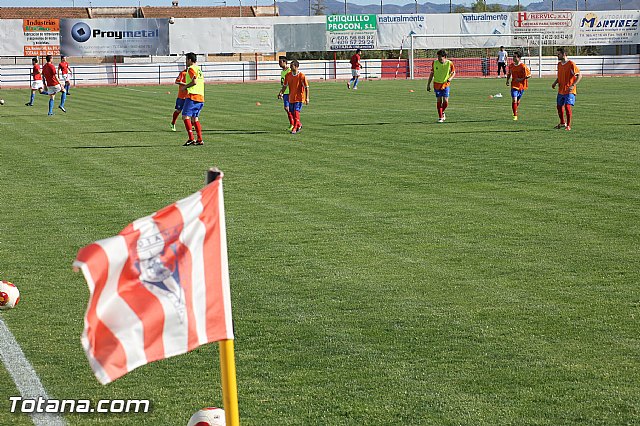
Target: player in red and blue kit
<point x="36" y="84"/>
<point x="64" y="73"/>
<point x="53" y="85"/>
<point x="182" y="95"/>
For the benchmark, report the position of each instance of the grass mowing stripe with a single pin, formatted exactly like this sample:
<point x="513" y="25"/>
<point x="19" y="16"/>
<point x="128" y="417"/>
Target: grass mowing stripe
<point x="482" y="270"/>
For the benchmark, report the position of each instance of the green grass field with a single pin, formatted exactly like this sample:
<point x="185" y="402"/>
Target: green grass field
<point x="385" y="269"/>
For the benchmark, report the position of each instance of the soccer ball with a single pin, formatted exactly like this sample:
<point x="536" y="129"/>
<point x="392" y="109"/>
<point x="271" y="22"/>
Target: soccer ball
<point x="210" y="416"/>
<point x="1" y="101"/>
<point x="172" y="20"/>
<point x="9" y="295"/>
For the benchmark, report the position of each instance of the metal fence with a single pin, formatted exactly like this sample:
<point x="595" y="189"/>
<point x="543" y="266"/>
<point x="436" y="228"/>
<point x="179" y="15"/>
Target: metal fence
<point x="166" y="73"/>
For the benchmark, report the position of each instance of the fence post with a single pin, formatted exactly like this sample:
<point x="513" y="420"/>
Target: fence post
<point x="159" y="75"/>
<point x="335" y="66"/>
<point x="243" y="72"/>
<point x="602" y="70"/>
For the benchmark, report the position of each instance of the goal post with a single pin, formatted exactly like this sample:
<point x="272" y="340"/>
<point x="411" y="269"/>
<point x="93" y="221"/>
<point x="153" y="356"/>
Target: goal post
<point x="474" y="55"/>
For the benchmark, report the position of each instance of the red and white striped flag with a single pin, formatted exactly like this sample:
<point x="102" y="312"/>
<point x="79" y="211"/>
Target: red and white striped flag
<point x="159" y="288"/>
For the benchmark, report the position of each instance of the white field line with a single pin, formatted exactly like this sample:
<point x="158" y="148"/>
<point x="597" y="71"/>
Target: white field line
<point x="24" y="376"/>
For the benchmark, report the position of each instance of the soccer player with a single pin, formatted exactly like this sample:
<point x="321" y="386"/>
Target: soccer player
<point x="442" y="72"/>
<point x="502" y="61"/>
<point x="182" y="95"/>
<point x="568" y="78"/>
<point x="282" y="61"/>
<point x="355" y="70"/>
<point x="194" y="101"/>
<point x="519" y="75"/>
<point x="36" y="84"/>
<point x="298" y="93"/>
<point x="53" y="86"/>
<point x="64" y="73"/>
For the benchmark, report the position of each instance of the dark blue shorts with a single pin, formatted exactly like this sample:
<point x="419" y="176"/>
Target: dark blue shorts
<point x="285" y="99"/>
<point x="515" y="93"/>
<point x="295" y="106"/>
<point x="569" y="99"/>
<point x="179" y="104"/>
<point x="191" y="109"/>
<point x="444" y="93"/>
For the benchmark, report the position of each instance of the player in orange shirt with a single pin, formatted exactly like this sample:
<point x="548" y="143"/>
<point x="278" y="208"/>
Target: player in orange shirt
<point x="568" y="78"/>
<point x="442" y="72"/>
<point x="182" y="95"/>
<point x="519" y="75"/>
<point x="298" y="93"/>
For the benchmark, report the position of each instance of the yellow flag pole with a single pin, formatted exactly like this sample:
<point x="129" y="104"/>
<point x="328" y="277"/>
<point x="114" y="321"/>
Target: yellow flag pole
<point x="229" y="384"/>
<point x="227" y="359"/>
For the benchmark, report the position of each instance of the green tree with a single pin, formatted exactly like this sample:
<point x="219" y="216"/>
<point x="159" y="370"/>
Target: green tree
<point x="318" y="7"/>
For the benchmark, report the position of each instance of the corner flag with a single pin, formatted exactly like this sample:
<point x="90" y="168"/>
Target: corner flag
<point x="159" y="288"/>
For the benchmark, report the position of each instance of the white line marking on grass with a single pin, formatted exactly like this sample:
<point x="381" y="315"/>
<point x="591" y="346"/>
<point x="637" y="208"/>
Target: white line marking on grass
<point x="24" y="376"/>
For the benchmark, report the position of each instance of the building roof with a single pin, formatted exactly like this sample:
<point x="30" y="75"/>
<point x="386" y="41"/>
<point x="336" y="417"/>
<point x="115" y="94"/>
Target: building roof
<point x="134" y="12"/>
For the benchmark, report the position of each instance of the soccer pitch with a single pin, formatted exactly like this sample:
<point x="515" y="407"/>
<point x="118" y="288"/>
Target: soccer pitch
<point x="385" y="269"/>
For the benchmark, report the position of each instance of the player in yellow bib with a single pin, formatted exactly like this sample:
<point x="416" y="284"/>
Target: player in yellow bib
<point x="442" y="72"/>
<point x="282" y="61"/>
<point x="194" y="84"/>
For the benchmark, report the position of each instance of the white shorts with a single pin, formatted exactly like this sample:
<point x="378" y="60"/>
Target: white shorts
<point x="36" y="84"/>
<point x="66" y="78"/>
<point x="52" y="90"/>
<point x="355" y="73"/>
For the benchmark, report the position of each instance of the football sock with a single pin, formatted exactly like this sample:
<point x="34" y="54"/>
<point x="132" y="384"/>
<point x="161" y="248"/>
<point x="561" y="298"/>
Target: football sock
<point x="560" y="114"/>
<point x="50" y="106"/>
<point x="63" y="99"/>
<point x="66" y="87"/>
<point x="355" y="83"/>
<point x="445" y="104"/>
<point x="292" y="121"/>
<point x="198" y="129"/>
<point x="33" y="96"/>
<point x="514" y="108"/>
<point x="569" y="114"/>
<point x="175" y="117"/>
<point x="187" y="125"/>
<point x="439" y="107"/>
<point x="296" y="116"/>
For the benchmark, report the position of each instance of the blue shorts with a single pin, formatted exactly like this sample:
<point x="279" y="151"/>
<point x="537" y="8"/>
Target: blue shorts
<point x="179" y="104"/>
<point x="191" y="108"/>
<point x="285" y="99"/>
<point x="295" y="106"/>
<point x="569" y="99"/>
<point x="515" y="93"/>
<point x="444" y="93"/>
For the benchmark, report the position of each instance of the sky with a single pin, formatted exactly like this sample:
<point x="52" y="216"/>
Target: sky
<point x="111" y="3"/>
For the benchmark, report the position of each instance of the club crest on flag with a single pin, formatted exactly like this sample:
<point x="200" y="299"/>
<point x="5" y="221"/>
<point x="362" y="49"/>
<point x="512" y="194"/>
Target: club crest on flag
<point x="158" y="266"/>
<point x="160" y="287"/>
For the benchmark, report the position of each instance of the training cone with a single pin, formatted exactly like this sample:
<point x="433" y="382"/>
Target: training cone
<point x="258" y="104"/>
<point x="490" y="96"/>
<point x="168" y="93"/>
<point x="411" y="91"/>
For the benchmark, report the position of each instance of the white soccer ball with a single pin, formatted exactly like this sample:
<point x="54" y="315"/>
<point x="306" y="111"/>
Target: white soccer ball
<point x="9" y="295"/>
<point x="1" y="101"/>
<point x="172" y="20"/>
<point x="210" y="416"/>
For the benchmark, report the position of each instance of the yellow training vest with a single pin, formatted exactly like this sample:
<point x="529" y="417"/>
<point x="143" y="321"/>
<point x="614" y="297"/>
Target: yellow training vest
<point x="198" y="89"/>
<point x="441" y="72"/>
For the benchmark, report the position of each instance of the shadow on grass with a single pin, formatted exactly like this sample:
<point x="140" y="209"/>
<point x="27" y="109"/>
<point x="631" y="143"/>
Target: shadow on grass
<point x="121" y="131"/>
<point x="490" y="131"/>
<point x="113" y="147"/>
<point x="235" y="132"/>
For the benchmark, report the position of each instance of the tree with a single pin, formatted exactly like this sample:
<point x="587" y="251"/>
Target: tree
<point x="318" y="8"/>
<point x="461" y="9"/>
